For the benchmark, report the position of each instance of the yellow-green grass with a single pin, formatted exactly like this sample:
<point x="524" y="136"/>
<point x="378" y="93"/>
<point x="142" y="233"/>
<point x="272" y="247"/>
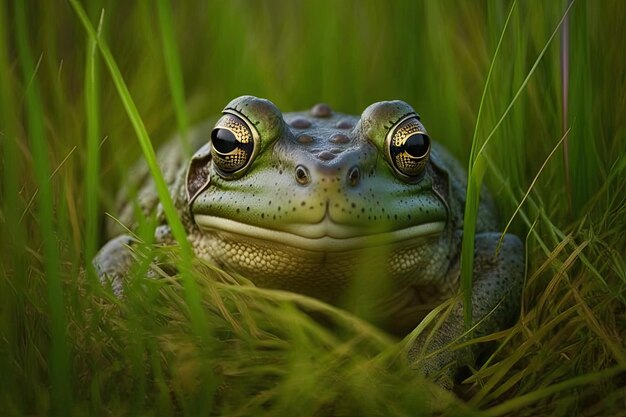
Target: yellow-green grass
<point x="83" y="94"/>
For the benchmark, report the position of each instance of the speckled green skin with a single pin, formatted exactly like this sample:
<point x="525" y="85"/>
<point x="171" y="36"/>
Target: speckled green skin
<point x="318" y="236"/>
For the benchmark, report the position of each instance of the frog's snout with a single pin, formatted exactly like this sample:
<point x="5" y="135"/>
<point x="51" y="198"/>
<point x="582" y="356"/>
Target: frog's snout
<point x="352" y="176"/>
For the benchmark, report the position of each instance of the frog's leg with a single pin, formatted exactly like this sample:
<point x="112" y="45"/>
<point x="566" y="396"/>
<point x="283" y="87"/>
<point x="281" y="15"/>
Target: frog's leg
<point x="498" y="282"/>
<point x="116" y="258"/>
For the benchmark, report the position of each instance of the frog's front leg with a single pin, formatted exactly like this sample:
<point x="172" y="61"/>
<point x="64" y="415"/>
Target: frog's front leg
<point x="116" y="258"/>
<point x="496" y="293"/>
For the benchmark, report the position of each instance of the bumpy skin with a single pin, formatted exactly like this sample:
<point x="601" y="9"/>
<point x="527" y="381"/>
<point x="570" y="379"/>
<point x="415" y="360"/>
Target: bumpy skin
<point x="320" y="201"/>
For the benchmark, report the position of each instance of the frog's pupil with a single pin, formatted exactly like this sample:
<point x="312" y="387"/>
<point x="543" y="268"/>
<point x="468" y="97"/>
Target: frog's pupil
<point x="417" y="145"/>
<point x="224" y="141"/>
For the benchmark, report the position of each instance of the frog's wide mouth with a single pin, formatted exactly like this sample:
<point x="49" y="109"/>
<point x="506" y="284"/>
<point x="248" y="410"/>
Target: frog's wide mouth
<point x="324" y="236"/>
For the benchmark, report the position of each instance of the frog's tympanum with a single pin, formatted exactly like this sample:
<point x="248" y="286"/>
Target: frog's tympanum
<point x="316" y="202"/>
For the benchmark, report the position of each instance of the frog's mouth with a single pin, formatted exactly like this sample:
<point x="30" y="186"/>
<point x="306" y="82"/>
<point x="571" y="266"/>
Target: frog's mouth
<point x="324" y="236"/>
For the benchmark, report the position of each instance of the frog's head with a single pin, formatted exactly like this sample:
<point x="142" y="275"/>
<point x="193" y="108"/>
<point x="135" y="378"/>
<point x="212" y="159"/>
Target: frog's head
<point x="316" y="182"/>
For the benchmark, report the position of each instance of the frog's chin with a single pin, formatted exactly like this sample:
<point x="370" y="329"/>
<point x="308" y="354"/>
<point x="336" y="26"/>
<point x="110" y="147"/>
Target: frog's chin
<point x="325" y="236"/>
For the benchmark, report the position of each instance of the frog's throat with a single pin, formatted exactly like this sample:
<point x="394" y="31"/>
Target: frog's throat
<point x="325" y="236"/>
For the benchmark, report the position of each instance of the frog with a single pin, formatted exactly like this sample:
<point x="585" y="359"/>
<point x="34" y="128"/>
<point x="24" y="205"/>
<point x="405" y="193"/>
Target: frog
<point x="310" y="201"/>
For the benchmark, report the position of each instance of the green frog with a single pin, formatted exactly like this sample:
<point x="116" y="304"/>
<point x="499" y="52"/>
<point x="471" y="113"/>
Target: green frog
<point x="311" y="201"/>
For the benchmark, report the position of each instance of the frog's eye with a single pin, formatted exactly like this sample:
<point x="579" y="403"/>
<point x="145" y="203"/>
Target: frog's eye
<point x="233" y="142"/>
<point x="408" y="147"/>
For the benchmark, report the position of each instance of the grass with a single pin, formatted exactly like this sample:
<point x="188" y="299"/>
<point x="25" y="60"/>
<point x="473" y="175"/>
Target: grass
<point x="84" y="94"/>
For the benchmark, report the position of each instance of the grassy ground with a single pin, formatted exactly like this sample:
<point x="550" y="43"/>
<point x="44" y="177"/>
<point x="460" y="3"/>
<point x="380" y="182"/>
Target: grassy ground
<point x="185" y="345"/>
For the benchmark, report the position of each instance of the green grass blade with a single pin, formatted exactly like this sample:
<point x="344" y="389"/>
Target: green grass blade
<point x="14" y="264"/>
<point x="586" y="168"/>
<point x="173" y="68"/>
<point x="525" y="400"/>
<point x="59" y="356"/>
<point x="476" y="161"/>
<point x="472" y="196"/>
<point x="92" y="116"/>
<point x="532" y="184"/>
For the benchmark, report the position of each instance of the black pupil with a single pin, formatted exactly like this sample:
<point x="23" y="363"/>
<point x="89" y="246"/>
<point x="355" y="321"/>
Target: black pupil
<point x="416" y="145"/>
<point x="224" y="141"/>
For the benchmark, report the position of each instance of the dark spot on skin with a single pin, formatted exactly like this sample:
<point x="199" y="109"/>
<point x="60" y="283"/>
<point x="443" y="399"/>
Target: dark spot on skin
<point x="353" y="205"/>
<point x="262" y="215"/>
<point x="247" y="208"/>
<point x="300" y="123"/>
<point x="303" y="203"/>
<point x="321" y="110"/>
<point x="237" y="210"/>
<point x="304" y="139"/>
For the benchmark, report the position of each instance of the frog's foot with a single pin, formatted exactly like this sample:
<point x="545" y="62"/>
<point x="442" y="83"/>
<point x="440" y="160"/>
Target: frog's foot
<point x="496" y="294"/>
<point x="433" y="355"/>
<point x="118" y="256"/>
<point x="114" y="261"/>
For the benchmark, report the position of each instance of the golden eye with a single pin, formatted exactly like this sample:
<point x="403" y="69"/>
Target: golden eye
<point x="233" y="143"/>
<point x="408" y="147"/>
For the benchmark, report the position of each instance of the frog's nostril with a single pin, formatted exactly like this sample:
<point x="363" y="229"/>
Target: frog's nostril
<point x="302" y="175"/>
<point x="354" y="175"/>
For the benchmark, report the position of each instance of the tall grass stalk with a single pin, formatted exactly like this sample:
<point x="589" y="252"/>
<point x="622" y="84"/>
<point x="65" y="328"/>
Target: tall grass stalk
<point x="474" y="181"/>
<point x="92" y="116"/>
<point x="14" y="262"/>
<point x="59" y="367"/>
<point x="173" y="67"/>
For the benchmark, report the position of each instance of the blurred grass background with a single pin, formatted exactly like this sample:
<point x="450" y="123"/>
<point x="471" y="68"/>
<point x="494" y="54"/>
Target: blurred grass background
<point x="66" y="144"/>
